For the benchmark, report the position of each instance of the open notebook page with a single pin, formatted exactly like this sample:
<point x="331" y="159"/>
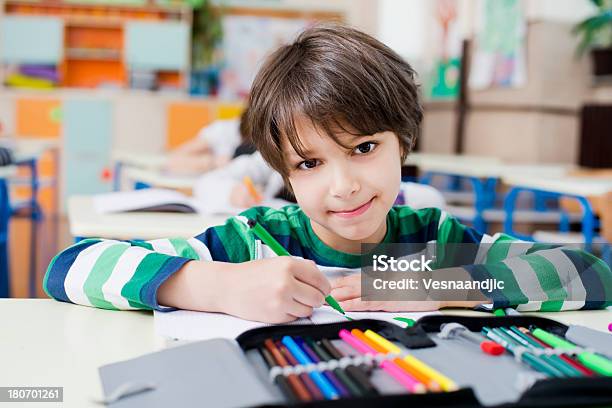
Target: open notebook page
<point x="188" y="325"/>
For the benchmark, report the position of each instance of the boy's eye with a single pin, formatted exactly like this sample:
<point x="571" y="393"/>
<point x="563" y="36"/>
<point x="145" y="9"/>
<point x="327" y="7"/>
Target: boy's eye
<point x="364" y="148"/>
<point x="308" y="164"/>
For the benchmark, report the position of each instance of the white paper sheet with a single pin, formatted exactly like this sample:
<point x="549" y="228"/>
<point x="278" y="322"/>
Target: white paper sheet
<point x="188" y="325"/>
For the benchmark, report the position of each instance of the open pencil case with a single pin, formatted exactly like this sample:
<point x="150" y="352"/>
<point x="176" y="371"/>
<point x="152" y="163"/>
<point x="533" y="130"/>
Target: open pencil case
<point x="226" y="373"/>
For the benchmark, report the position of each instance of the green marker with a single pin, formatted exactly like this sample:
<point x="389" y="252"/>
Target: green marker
<point x="593" y="361"/>
<point x="279" y="250"/>
<point x="409" y="322"/>
<point x="499" y="312"/>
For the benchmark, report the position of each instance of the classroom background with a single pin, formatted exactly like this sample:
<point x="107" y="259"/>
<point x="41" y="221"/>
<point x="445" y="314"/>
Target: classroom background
<point x="95" y="94"/>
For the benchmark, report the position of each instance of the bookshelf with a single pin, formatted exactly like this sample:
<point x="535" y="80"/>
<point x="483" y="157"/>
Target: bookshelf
<point x="94" y="40"/>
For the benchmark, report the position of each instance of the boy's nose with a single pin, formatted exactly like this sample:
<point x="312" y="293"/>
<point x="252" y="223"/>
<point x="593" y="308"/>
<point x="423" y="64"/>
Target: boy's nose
<point x="344" y="183"/>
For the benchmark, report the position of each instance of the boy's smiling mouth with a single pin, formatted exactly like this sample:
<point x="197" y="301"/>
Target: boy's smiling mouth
<point x="355" y="211"/>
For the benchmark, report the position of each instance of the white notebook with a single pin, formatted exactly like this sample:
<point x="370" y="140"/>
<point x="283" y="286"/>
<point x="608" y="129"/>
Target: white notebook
<point x="163" y="200"/>
<point x="188" y="325"/>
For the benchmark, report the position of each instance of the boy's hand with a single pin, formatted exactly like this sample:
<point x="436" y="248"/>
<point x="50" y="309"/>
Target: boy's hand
<point x="347" y="291"/>
<point x="241" y="198"/>
<point x="276" y="290"/>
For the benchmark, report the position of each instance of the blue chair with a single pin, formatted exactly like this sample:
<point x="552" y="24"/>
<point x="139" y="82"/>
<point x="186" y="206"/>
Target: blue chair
<point x="5" y="212"/>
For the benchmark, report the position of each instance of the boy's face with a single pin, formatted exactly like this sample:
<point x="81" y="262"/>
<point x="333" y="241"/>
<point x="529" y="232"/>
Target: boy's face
<point x="345" y="193"/>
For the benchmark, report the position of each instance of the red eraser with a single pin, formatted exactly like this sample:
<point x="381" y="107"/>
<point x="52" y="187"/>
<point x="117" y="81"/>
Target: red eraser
<point x="492" y="348"/>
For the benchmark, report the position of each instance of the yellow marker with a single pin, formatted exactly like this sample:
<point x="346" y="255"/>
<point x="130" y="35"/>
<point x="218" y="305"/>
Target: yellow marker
<point x="252" y="189"/>
<point x="361" y="336"/>
<point x="446" y="383"/>
<point x="382" y="342"/>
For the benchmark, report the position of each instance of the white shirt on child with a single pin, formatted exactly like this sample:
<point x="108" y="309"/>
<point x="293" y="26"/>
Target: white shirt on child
<point x="223" y="136"/>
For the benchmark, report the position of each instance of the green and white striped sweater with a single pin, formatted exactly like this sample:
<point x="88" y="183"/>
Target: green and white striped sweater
<point x="127" y="274"/>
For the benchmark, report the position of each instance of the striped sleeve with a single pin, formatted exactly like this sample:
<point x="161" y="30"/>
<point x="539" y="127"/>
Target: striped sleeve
<point x="125" y="275"/>
<point x="536" y="277"/>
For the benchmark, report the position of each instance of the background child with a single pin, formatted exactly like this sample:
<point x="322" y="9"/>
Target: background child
<point x="214" y="146"/>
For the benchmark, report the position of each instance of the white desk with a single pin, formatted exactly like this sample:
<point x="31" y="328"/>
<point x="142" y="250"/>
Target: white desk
<point x="574" y="186"/>
<point x="32" y="149"/>
<point x="460" y="165"/>
<point x="86" y="222"/>
<point x="7" y="171"/>
<point x="481" y="166"/>
<point x="49" y="343"/>
<point x="159" y="178"/>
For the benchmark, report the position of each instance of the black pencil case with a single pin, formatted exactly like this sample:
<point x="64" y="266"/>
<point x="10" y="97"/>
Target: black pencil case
<point x="485" y="381"/>
<point x="227" y="373"/>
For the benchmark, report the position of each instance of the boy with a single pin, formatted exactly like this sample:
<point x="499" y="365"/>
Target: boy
<point x="335" y="113"/>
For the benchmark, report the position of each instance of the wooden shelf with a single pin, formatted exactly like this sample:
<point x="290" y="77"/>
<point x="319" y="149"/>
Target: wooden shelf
<point x="94" y="36"/>
<point x="58" y="4"/>
<point x="93" y="54"/>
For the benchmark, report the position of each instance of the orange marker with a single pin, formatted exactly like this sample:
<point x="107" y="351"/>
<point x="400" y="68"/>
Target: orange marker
<point x="252" y="189"/>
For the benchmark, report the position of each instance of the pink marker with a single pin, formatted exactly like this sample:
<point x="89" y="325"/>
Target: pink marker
<point x="403" y="378"/>
<point x="610" y="327"/>
<point x="408" y="381"/>
<point x="355" y="343"/>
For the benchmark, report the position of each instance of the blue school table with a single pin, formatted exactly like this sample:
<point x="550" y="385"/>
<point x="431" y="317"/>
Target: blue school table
<point x="483" y="173"/>
<point x="579" y="188"/>
<point x="5" y="214"/>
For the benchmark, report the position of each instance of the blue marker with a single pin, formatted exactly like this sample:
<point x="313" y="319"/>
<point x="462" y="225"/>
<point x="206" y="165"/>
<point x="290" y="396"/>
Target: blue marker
<point x="326" y="388"/>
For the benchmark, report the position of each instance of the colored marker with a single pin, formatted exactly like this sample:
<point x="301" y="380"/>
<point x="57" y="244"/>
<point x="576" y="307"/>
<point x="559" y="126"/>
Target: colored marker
<point x="446" y="383"/>
<point x="593" y="361"/>
<point x="248" y="182"/>
<point x="416" y="384"/>
<point x="579" y="366"/>
<point x="355" y="343"/>
<point x="328" y="390"/>
<point x="385" y="344"/>
<point x="409" y="322"/>
<point x="552" y="368"/>
<point x="364" y="339"/>
<point x="364" y="345"/>
<point x="499" y="312"/>
<point x="529" y="359"/>
<point x="554" y="361"/>
<point x="280" y="379"/>
<point x="279" y="250"/>
<point x="310" y="385"/>
<point x="610" y="327"/>
<point x="357" y="373"/>
<point x="331" y="377"/>
<point x="351" y="385"/>
<point x="419" y="376"/>
<point x="298" y="388"/>
<point x="538" y="343"/>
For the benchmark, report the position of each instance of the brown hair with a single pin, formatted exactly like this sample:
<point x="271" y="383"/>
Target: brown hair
<point x="339" y="78"/>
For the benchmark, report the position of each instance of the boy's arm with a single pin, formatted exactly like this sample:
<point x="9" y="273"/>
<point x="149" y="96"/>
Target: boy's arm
<point x="536" y="276"/>
<point x="127" y="274"/>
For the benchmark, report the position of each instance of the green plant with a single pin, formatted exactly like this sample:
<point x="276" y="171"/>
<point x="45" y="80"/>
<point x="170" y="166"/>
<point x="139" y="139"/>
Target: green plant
<point x="206" y="34"/>
<point x="596" y="31"/>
